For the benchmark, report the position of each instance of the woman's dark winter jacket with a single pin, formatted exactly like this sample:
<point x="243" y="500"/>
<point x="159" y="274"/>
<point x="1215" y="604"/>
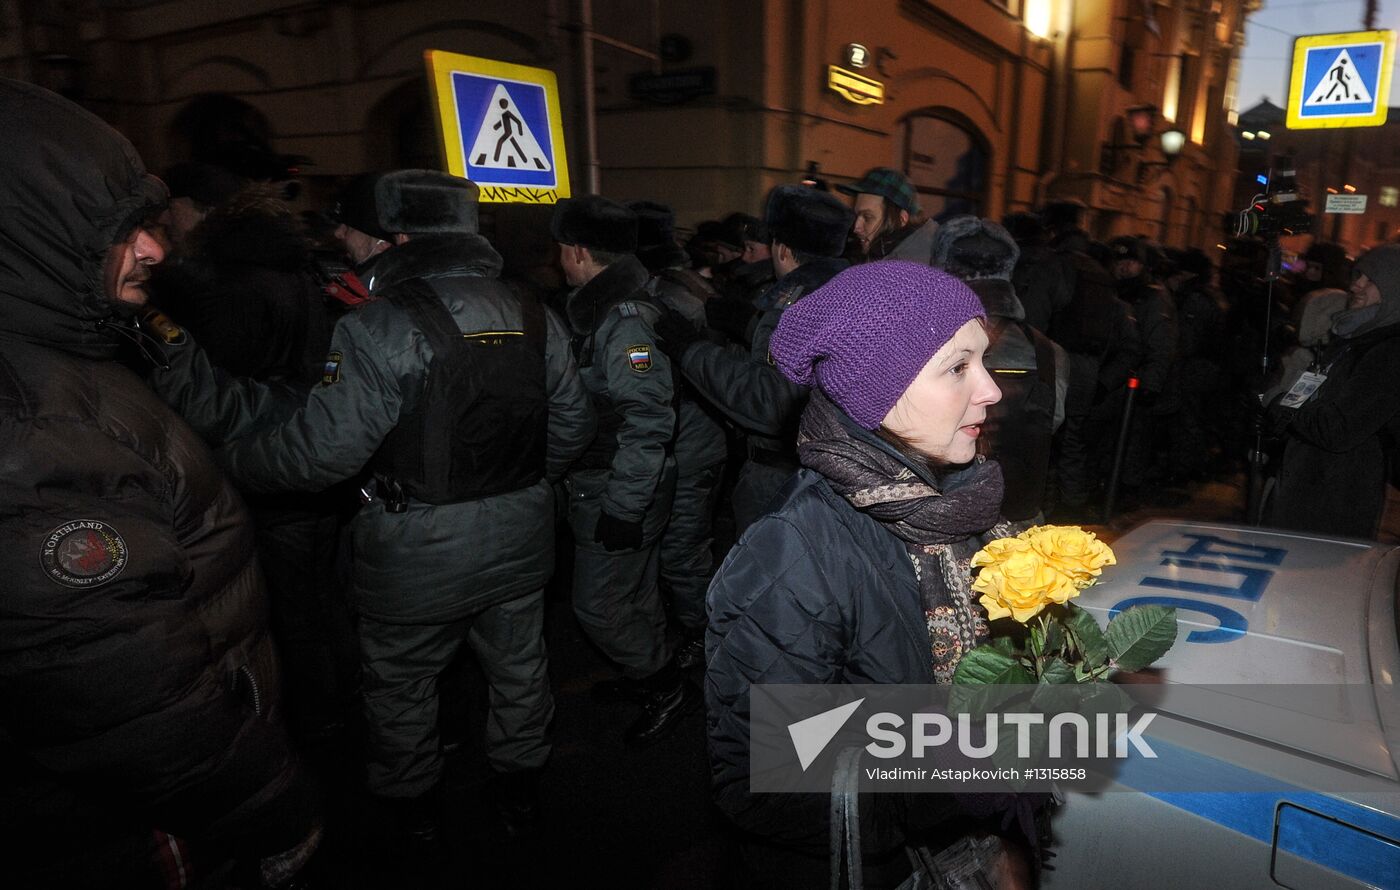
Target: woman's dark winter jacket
<point x="815" y="592"/>
<point x="137" y="676"/>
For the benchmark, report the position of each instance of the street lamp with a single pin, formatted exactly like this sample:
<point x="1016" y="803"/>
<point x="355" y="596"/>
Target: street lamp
<point x="1173" y="141"/>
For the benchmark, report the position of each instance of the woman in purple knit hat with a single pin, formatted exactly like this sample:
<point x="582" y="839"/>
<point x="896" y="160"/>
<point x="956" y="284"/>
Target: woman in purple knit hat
<point x="859" y="571"/>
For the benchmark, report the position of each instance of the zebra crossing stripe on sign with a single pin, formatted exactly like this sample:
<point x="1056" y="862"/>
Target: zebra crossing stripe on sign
<point x="504" y="141"/>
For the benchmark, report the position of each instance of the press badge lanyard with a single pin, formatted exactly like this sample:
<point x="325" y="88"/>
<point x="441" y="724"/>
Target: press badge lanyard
<point x="1307" y="384"/>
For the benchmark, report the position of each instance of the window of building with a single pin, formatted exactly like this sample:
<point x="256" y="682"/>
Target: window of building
<point x="1125" y="67"/>
<point x="1390" y="196"/>
<point x="946" y="159"/>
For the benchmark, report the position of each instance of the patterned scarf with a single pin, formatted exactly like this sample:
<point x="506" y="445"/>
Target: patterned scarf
<point x="941" y="529"/>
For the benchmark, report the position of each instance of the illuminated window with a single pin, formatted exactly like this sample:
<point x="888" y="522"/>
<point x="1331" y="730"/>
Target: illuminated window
<point x="1171" y="95"/>
<point x="1390" y="196"/>
<point x="1037" y="15"/>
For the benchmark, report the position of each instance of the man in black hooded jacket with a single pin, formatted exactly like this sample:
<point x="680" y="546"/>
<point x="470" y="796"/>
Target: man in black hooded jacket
<point x="138" y="683"/>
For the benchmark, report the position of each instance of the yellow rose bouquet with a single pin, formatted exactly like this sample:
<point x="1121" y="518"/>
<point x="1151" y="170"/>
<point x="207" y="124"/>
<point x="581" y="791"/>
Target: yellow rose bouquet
<point x="1030" y="580"/>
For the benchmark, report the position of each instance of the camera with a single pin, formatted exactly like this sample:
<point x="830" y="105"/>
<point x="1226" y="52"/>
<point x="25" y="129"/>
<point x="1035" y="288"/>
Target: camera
<point x="1279" y="211"/>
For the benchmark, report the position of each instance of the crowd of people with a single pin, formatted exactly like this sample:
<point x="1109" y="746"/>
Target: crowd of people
<point x="266" y="470"/>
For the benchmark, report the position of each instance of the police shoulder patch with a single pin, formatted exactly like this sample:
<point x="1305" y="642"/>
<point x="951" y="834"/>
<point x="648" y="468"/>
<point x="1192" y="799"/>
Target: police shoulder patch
<point x="168" y="331"/>
<point x="639" y="357"/>
<point x="331" y="372"/>
<point x="83" y="553"/>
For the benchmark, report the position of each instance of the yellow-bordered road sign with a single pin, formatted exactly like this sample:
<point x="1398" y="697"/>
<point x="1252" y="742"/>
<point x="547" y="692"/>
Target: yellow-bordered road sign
<point x="1340" y="80"/>
<point x="500" y="127"/>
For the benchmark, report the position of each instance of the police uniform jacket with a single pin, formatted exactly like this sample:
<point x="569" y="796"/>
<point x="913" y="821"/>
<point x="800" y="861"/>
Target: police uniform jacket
<point x="745" y="384"/>
<point x="137" y="677"/>
<point x="1155" y="312"/>
<point x="432" y="562"/>
<point x="700" y="439"/>
<point x="630" y="382"/>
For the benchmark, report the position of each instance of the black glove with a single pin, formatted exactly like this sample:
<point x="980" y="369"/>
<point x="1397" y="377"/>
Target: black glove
<point x="617" y="534"/>
<point x="674" y="333"/>
<point x="1277" y="419"/>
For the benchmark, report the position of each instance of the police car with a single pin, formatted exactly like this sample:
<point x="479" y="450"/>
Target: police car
<point x="1262" y="607"/>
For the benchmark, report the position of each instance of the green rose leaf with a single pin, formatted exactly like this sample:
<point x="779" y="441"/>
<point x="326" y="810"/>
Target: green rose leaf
<point x="1088" y="637"/>
<point x="1057" y="671"/>
<point x="1054" y="634"/>
<point x="1005" y="645"/>
<point x="985" y="665"/>
<point x="1140" y="635"/>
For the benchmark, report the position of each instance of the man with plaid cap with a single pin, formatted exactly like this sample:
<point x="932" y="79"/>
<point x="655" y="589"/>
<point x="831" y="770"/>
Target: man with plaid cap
<point x="887" y="222"/>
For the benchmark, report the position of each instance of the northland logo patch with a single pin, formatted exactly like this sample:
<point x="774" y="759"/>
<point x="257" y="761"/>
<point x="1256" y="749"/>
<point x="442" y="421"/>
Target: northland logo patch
<point x="811" y="736"/>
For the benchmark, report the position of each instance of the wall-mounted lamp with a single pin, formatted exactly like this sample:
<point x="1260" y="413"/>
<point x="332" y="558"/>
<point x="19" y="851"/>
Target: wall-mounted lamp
<point x="1130" y="132"/>
<point x="1141" y="121"/>
<point x="1173" y="141"/>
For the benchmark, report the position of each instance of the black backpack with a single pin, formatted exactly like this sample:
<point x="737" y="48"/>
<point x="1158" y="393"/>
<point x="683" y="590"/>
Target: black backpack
<point x="480" y="426"/>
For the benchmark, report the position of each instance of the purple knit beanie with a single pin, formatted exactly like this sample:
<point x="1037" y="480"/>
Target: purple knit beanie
<point x="864" y="336"/>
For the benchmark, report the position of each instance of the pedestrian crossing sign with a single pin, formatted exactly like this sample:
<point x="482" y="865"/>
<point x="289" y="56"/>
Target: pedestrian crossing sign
<point x="1340" y="80"/>
<point x="500" y="127"/>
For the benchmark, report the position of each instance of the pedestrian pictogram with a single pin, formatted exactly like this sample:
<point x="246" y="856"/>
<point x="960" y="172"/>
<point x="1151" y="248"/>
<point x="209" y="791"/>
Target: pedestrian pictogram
<point x="1340" y="85"/>
<point x="501" y="127"/>
<point x="1341" y="80"/>
<point x="505" y="141"/>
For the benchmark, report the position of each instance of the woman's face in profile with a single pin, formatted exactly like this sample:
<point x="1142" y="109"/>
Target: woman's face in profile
<point x="941" y="412"/>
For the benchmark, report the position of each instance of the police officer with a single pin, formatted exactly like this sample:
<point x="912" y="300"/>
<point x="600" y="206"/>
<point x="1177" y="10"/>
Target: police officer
<point x="809" y="230"/>
<point x="687" y="558"/>
<point x="463" y="400"/>
<point x="1031" y="371"/>
<point x="620" y="491"/>
<point x="1157" y="398"/>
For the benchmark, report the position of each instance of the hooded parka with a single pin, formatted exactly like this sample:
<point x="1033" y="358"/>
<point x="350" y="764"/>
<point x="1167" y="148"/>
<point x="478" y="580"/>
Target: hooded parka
<point x="137" y="676"/>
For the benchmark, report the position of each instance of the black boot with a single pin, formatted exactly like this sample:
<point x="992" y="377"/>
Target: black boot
<point x="517" y="798"/>
<point x="667" y="701"/>
<point x="409" y="826"/>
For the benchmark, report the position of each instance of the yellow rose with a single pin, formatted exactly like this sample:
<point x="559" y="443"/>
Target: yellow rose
<point x="1020" y="582"/>
<point x="998" y="550"/>
<point x="1071" y="550"/>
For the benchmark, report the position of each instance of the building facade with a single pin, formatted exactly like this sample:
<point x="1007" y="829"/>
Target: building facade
<point x="990" y="106"/>
<point x="1347" y="162"/>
